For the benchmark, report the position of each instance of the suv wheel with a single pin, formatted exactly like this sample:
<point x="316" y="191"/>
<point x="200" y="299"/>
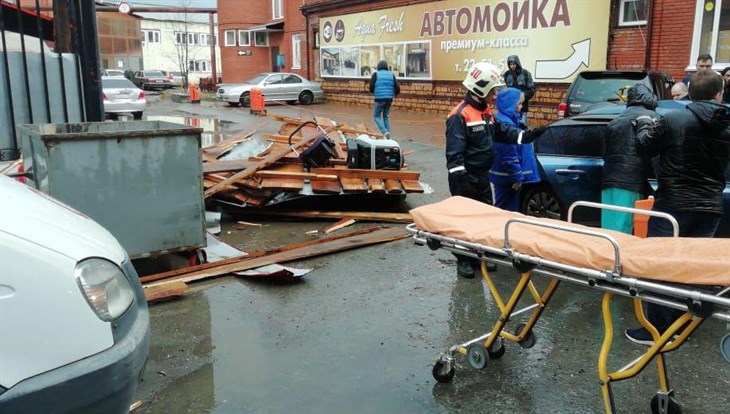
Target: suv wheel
<point x="541" y="201"/>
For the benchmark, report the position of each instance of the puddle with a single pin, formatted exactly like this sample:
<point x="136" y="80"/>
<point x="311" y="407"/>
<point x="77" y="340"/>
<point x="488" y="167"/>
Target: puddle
<point x="211" y="126"/>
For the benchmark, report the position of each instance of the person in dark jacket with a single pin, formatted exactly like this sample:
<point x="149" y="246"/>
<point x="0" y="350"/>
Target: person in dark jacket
<point x="520" y="78"/>
<point x="384" y="86"/>
<point x="128" y="73"/>
<point x="726" y="90"/>
<point x="625" y="173"/>
<point x="514" y="165"/>
<point x="694" y="149"/>
<point x="470" y="136"/>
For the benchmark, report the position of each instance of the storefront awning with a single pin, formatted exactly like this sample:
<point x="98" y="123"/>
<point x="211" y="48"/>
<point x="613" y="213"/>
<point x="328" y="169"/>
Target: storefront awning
<point x="269" y="27"/>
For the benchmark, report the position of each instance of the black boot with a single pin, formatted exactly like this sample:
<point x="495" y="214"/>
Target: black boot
<point x="464" y="267"/>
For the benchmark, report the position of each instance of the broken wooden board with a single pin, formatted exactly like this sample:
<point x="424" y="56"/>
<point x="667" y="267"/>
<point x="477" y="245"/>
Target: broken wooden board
<point x="258" y="166"/>
<point x="376" y="237"/>
<point x="393" y="187"/>
<point x="225" y="166"/>
<point x="339" y="225"/>
<point x="357" y="215"/>
<point x="353" y="185"/>
<point x="165" y="292"/>
<point x="363" y="173"/>
<point x="412" y="186"/>
<point x="286" y="184"/>
<point x="227" y="144"/>
<point x="376" y="185"/>
<point x="177" y="272"/>
<point x="326" y="187"/>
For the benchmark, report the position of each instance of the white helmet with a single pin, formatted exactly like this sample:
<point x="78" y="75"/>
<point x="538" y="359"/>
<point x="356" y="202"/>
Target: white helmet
<point x="482" y="77"/>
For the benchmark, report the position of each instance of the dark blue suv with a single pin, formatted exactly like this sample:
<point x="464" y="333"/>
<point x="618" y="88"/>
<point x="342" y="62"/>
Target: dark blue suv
<point x="570" y="155"/>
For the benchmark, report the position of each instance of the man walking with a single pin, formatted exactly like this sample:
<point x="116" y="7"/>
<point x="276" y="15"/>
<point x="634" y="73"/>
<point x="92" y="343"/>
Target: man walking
<point x="694" y="149"/>
<point x="384" y="86"/>
<point x="469" y="140"/>
<point x="517" y="77"/>
<point x="625" y="173"/>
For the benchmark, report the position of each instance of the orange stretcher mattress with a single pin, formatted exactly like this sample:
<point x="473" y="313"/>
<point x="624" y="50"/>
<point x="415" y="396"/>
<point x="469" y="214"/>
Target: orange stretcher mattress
<point x="700" y="261"/>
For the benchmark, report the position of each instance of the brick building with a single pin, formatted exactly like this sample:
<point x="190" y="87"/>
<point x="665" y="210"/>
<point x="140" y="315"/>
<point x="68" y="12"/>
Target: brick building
<point x="261" y="36"/>
<point x="624" y="34"/>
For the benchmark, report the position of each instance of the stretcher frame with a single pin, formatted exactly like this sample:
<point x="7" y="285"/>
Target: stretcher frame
<point x="697" y="303"/>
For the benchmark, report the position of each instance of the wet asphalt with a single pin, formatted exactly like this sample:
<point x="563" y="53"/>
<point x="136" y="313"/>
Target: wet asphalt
<point x="361" y="332"/>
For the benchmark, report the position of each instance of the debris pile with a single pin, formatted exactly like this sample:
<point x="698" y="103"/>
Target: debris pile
<point x="274" y="171"/>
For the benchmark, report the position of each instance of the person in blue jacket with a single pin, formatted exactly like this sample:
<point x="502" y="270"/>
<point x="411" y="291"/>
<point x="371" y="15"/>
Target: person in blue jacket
<point x="384" y="86"/>
<point x="514" y="164"/>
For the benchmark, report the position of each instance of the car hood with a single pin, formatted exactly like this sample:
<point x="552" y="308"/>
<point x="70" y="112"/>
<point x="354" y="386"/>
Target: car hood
<point x="43" y="220"/>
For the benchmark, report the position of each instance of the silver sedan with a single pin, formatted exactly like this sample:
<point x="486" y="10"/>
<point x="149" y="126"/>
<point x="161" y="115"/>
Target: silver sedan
<point x="275" y="86"/>
<point x="122" y="96"/>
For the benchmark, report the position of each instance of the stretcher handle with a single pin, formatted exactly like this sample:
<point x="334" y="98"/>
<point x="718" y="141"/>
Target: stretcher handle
<point x="600" y="206"/>
<point x="302" y="126"/>
<point x="614" y="243"/>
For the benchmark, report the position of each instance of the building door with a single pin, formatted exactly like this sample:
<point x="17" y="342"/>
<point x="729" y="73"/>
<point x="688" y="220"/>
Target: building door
<point x="274" y="59"/>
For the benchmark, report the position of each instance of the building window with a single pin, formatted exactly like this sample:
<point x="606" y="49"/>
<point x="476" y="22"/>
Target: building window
<point x="315" y="35"/>
<point x="199" y="66"/>
<point x="296" y="51"/>
<point x="230" y="37"/>
<point x="711" y="32"/>
<point x="632" y="12"/>
<point x="277" y="8"/>
<point x="150" y="36"/>
<point x="244" y="38"/>
<point x="261" y="38"/>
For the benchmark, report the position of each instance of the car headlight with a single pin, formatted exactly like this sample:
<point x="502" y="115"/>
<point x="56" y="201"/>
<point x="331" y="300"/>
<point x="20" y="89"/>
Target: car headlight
<point x="105" y="287"/>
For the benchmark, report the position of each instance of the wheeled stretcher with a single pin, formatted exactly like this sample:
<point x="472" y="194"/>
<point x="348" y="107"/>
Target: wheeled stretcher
<point x="689" y="274"/>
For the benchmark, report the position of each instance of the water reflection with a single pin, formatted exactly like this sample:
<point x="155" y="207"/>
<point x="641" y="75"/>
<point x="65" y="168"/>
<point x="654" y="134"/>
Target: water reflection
<point x="211" y="126"/>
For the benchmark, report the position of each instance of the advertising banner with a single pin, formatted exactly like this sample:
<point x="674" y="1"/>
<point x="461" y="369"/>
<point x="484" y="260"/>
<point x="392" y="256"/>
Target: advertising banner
<point x="554" y="39"/>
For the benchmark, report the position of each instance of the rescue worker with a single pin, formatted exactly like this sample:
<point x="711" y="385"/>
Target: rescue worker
<point x="470" y="134"/>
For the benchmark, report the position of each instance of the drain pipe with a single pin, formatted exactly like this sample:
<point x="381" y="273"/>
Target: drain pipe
<point x="649" y="26"/>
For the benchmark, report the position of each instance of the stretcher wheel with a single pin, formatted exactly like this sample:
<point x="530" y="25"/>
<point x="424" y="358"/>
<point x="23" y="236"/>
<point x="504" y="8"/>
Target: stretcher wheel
<point x="530" y="338"/>
<point x="477" y="356"/>
<point x="725" y="347"/>
<point x="442" y="371"/>
<point x="673" y="406"/>
<point x="497" y="349"/>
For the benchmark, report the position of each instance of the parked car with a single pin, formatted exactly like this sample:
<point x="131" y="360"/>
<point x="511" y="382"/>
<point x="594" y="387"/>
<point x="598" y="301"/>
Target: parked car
<point x="600" y="88"/>
<point x="175" y="78"/>
<point x="275" y="86"/>
<point x="151" y="79"/>
<point x="122" y="96"/>
<point x="75" y="324"/>
<point x="570" y="157"/>
<point x="113" y="73"/>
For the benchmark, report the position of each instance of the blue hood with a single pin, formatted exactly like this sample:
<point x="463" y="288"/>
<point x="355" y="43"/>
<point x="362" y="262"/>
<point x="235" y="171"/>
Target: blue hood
<point x="507" y="100"/>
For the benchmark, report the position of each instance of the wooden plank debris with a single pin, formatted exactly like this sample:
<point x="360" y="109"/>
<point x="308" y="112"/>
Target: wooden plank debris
<point x="339" y="225"/>
<point x="357" y="215"/>
<point x="165" y="292"/>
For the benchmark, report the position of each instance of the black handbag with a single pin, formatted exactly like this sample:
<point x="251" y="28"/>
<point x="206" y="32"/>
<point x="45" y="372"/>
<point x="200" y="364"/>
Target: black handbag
<point x="320" y="152"/>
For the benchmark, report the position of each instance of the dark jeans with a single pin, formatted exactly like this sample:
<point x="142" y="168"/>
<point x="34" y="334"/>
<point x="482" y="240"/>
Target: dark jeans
<point x="691" y="224"/>
<point x="479" y="190"/>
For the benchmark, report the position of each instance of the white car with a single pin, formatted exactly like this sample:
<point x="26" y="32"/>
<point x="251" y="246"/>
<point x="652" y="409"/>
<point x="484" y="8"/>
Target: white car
<point x="74" y="324"/>
<point x="275" y="86"/>
<point x="113" y="73"/>
<point x="122" y="96"/>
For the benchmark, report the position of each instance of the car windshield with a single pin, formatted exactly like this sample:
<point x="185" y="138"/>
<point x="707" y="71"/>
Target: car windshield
<point x="256" y="79"/>
<point x="603" y="90"/>
<point x="154" y="74"/>
<point x="176" y="73"/>
<point x="117" y="83"/>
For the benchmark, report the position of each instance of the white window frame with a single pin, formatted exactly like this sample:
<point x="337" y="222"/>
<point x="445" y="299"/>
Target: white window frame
<point x="621" y="21"/>
<point x="296" y="51"/>
<point x="277" y="9"/>
<point x="248" y="35"/>
<point x="255" y="41"/>
<point x="155" y="36"/>
<point x="697" y="35"/>
<point x="235" y="37"/>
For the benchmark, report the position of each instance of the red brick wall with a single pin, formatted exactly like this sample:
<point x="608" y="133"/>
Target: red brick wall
<point x="670" y="44"/>
<point x="237" y="14"/>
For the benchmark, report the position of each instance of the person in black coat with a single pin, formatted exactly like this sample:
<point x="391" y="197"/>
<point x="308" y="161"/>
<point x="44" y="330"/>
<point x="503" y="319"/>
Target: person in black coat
<point x="694" y="149"/>
<point x="726" y="91"/>
<point x="625" y="173"/>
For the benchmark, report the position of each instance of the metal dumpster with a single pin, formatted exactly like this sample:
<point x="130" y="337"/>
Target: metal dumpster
<point x="142" y="180"/>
